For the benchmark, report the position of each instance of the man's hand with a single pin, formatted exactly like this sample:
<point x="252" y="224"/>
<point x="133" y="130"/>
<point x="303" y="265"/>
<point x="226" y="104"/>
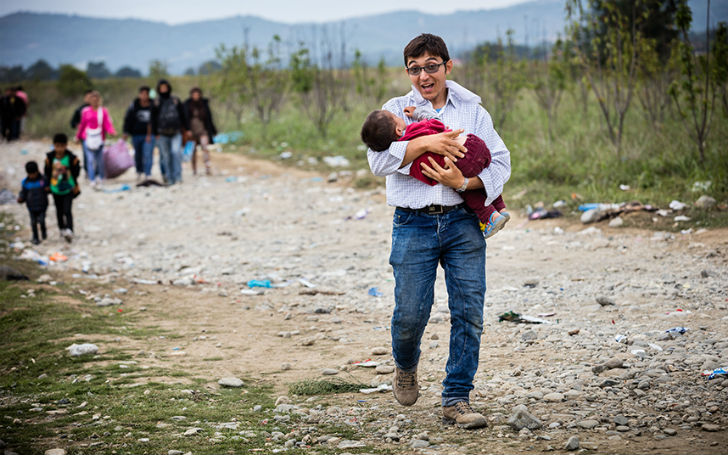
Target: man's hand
<point x="409" y="111"/>
<point x="445" y="144"/>
<point x="449" y="175"/>
<point x="125" y="137"/>
<point x="148" y="138"/>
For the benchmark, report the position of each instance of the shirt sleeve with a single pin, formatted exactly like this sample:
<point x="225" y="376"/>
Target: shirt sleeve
<point x="499" y="171"/>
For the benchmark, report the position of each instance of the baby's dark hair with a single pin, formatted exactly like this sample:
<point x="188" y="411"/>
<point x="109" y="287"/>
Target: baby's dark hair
<point x="379" y="131"/>
<point x="60" y="138"/>
<point x="31" y="167"/>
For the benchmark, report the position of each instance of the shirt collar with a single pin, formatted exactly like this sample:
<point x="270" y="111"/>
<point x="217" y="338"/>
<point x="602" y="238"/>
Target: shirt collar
<point x="456" y="95"/>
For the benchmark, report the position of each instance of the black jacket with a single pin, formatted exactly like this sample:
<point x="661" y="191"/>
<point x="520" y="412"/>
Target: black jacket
<point x="48" y="169"/>
<point x="209" y="125"/>
<point x="137" y="119"/>
<point x="156" y="112"/>
<point x="76" y="119"/>
<point x="12" y="107"/>
<point x="34" y="194"/>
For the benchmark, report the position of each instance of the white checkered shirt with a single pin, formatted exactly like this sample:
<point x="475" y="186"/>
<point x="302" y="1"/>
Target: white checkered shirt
<point x="462" y="110"/>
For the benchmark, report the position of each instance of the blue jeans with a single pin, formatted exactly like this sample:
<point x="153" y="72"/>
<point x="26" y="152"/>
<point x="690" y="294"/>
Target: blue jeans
<point x="143" y="153"/>
<point x="419" y="243"/>
<point x="170" y="157"/>
<point x="94" y="162"/>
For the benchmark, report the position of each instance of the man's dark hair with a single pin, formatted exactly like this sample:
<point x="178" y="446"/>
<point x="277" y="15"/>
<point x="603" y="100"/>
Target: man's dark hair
<point x="379" y="131"/>
<point x="31" y="167"/>
<point x="144" y="88"/>
<point x="195" y="89"/>
<point x="60" y="138"/>
<point x="426" y="43"/>
<point x="87" y="91"/>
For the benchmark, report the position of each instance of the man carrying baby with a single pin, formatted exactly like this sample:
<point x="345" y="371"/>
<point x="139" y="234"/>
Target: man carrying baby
<point x="431" y="226"/>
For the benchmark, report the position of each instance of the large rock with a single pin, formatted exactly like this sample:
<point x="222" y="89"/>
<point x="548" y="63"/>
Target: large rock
<point x="230" y="382"/>
<point x="521" y="419"/>
<point x="77" y="350"/>
<point x="572" y="444"/>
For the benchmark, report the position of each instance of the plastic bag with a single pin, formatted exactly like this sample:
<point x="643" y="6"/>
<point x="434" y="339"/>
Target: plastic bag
<point x="189" y="149"/>
<point x="117" y="159"/>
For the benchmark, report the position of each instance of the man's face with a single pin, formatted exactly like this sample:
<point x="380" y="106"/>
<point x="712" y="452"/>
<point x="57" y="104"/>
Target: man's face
<point x="431" y="86"/>
<point x="144" y="96"/>
<point x="164" y="88"/>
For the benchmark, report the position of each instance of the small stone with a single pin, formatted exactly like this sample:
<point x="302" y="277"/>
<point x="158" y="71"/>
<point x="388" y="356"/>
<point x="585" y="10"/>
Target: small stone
<point x="710" y="427"/>
<point x="621" y="420"/>
<point x="604" y="301"/>
<point x="381" y="350"/>
<point x="76" y="350"/>
<point x="572" y="443"/>
<point x="419" y="444"/>
<point x="608" y="383"/>
<point x="616" y="222"/>
<point x="670" y="431"/>
<point x="529" y="335"/>
<point x="282" y="400"/>
<point x="530" y="283"/>
<point x="622" y="428"/>
<point x="574" y="332"/>
<point x="55" y="452"/>
<point x="384" y="369"/>
<point x="588" y="424"/>
<point x="192" y="431"/>
<point x="347" y="444"/>
<point x="175" y="452"/>
<point x="329" y="371"/>
<point x="553" y="397"/>
<point x="230" y="382"/>
<point x="285" y="366"/>
<point x="614" y="363"/>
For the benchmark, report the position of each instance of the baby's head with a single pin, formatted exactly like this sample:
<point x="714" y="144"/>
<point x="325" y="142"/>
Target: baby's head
<point x="380" y="129"/>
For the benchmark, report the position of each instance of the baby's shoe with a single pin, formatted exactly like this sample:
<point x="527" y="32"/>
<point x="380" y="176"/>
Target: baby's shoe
<point x="506" y="214"/>
<point x="494" y="224"/>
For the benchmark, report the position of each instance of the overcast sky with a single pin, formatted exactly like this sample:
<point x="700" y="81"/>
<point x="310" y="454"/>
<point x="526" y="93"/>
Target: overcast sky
<point x="178" y="11"/>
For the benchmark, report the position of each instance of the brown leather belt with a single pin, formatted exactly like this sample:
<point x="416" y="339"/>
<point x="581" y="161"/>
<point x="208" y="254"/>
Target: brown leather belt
<point x="433" y="209"/>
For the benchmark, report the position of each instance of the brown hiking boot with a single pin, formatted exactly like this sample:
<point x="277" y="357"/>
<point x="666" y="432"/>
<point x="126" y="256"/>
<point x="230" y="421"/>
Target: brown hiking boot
<point x="463" y="415"/>
<point x="405" y="387"/>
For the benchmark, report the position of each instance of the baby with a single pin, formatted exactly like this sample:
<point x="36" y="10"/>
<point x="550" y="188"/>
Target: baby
<point x="382" y="127"/>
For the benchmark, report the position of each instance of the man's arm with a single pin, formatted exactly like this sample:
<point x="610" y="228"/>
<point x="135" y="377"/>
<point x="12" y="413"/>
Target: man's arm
<point x="497" y="174"/>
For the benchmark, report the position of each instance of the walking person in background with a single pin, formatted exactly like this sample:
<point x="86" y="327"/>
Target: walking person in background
<point x="138" y="124"/>
<point x="23" y="96"/>
<point x="12" y="109"/>
<point x="61" y="172"/>
<point x="92" y="131"/>
<point x="169" y="119"/>
<point x="200" y="127"/>
<point x="76" y="119"/>
<point x="35" y="197"/>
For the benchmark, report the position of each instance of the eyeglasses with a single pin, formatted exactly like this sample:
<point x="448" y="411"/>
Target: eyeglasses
<point x="430" y="68"/>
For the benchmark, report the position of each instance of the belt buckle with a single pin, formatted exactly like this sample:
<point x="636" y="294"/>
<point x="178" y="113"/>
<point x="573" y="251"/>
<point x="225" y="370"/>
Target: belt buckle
<point x="435" y="210"/>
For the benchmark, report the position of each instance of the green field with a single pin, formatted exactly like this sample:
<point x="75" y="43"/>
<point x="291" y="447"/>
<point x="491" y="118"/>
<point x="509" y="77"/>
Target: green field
<point x="576" y="162"/>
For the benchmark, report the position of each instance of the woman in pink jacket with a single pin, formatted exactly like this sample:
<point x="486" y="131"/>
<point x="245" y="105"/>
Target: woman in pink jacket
<point x="92" y="131"/>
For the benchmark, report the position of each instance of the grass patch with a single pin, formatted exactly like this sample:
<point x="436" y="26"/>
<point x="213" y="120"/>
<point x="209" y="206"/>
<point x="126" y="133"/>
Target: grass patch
<point x="116" y="401"/>
<point x="308" y="387"/>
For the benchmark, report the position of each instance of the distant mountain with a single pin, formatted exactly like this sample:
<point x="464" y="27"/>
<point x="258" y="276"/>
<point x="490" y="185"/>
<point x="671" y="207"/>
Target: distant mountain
<point x="57" y="38"/>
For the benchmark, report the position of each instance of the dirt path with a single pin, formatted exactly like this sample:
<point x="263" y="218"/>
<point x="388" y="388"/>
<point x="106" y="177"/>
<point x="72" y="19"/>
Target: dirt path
<point x="206" y="238"/>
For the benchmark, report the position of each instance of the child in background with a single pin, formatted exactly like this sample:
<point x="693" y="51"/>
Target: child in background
<point x="381" y="128"/>
<point x="35" y="196"/>
<point x="61" y="178"/>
